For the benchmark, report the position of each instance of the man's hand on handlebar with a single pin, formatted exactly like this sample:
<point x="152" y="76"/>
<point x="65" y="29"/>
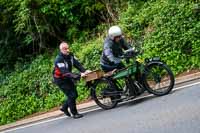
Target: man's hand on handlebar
<point x="132" y="52"/>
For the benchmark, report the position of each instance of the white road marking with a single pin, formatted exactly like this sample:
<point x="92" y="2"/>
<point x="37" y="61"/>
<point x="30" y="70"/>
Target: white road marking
<point x="46" y="121"/>
<point x="54" y="119"/>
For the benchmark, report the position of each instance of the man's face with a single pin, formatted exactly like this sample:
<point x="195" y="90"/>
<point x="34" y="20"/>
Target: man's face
<point x="117" y="38"/>
<point x="65" y="49"/>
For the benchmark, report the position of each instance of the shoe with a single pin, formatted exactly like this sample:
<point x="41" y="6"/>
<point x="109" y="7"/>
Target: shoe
<point x="65" y="112"/>
<point x="77" y="116"/>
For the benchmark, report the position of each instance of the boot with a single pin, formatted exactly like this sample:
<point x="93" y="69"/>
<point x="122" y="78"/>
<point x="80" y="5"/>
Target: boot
<point x="77" y="116"/>
<point x="66" y="112"/>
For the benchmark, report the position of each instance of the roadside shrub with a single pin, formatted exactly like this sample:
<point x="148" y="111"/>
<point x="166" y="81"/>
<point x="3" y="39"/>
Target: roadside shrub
<point x="162" y="28"/>
<point x="29" y="90"/>
<point x="167" y="29"/>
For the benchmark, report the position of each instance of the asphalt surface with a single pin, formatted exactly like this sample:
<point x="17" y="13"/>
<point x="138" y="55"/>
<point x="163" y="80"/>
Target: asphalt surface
<point x="173" y="113"/>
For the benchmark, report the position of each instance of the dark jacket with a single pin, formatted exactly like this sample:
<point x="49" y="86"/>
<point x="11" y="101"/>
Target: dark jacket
<point x="63" y="67"/>
<point x="112" y="51"/>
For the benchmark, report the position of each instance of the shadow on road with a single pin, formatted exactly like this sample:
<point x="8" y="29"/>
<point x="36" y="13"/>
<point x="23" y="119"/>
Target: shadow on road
<point x="132" y="102"/>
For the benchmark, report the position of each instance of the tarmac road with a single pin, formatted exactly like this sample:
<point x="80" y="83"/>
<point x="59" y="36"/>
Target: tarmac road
<point x="178" y="112"/>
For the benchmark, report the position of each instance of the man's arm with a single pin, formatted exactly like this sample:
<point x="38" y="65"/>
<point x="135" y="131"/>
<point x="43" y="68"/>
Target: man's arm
<point x="109" y="54"/>
<point x="78" y="65"/>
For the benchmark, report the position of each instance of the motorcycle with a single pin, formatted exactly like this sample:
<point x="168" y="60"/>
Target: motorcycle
<point x="151" y="75"/>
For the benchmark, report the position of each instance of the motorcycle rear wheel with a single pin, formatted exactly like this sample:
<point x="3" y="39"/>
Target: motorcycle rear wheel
<point x="103" y="94"/>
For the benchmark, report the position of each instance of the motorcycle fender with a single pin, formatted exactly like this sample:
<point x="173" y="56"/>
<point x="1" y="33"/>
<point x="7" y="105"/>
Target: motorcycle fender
<point x="154" y="62"/>
<point x="151" y="62"/>
<point x="92" y="85"/>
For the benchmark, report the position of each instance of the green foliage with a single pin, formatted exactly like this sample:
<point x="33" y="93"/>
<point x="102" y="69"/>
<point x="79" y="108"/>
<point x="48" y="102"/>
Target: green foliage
<point x="89" y="53"/>
<point x="168" y="29"/>
<point x="29" y="90"/>
<point x="30" y="27"/>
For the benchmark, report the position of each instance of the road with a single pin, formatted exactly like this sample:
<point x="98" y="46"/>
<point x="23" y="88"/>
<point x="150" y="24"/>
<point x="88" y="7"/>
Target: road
<point x="178" y="112"/>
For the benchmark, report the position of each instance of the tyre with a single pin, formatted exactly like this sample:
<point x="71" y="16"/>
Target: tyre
<point x="104" y="94"/>
<point x="158" y="79"/>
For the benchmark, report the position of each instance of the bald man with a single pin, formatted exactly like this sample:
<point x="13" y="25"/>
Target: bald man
<point x="64" y="78"/>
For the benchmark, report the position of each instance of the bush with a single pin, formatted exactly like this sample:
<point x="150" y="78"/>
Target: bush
<point x="30" y="89"/>
<point x="160" y="27"/>
<point x="169" y="30"/>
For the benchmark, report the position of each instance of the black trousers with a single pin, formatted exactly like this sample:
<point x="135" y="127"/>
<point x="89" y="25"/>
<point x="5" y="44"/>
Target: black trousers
<point x="107" y="68"/>
<point x="69" y="89"/>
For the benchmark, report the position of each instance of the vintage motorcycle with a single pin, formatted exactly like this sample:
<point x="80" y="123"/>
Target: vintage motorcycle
<point x="151" y="75"/>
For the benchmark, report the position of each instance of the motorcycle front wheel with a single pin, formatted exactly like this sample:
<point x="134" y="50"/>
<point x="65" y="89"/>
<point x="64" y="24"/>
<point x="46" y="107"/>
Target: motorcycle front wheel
<point x="158" y="79"/>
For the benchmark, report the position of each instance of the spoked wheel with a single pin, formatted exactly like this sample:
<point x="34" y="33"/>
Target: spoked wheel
<point x="104" y="94"/>
<point x="158" y="79"/>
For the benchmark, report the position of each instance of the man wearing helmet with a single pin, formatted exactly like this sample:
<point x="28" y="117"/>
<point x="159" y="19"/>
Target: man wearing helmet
<point x="114" y="44"/>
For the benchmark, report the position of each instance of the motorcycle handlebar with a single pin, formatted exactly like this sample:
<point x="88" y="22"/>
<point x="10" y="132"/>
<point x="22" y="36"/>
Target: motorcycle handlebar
<point x="130" y="53"/>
